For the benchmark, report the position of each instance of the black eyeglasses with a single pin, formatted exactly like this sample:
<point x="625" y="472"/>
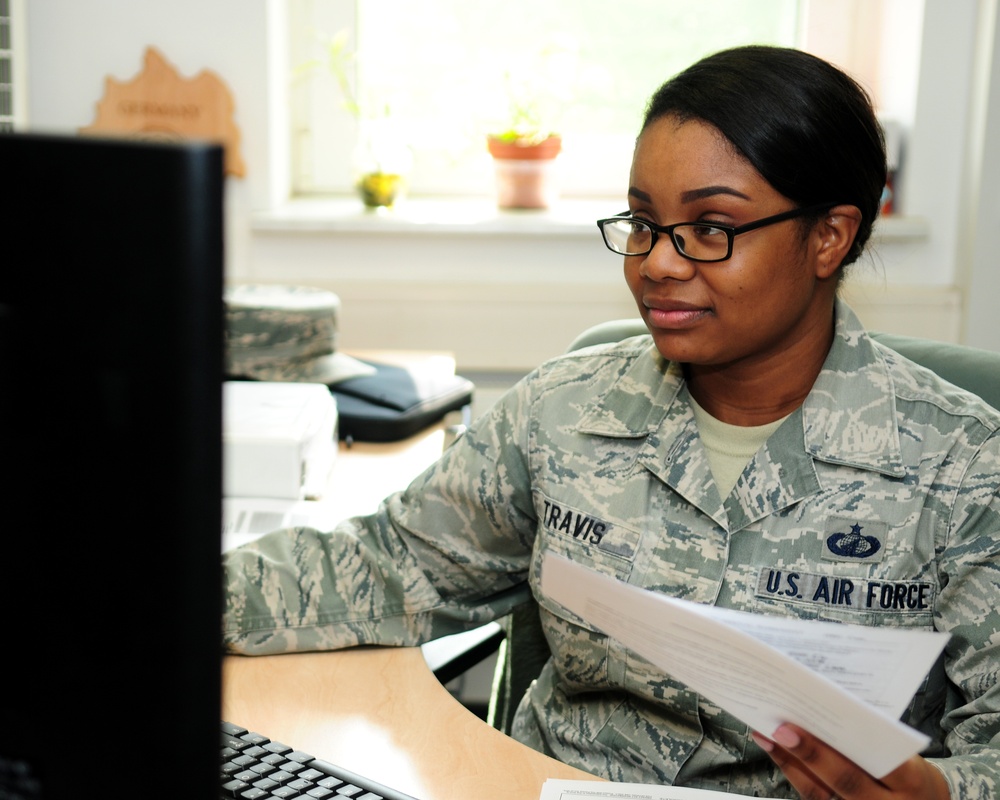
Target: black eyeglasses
<point x="698" y="241"/>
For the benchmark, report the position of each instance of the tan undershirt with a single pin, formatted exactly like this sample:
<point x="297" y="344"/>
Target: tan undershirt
<point x="730" y="447"/>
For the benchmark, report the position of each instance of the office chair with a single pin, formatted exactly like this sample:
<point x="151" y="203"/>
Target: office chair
<point x="524" y="650"/>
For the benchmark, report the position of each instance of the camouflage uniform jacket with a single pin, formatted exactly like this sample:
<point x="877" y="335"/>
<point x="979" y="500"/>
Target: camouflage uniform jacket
<point x="884" y="481"/>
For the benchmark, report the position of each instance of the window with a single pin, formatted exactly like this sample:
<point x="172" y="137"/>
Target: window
<point x="449" y="70"/>
<point x="12" y="61"/>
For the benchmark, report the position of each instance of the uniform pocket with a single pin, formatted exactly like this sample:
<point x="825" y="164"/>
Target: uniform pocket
<point x="600" y="545"/>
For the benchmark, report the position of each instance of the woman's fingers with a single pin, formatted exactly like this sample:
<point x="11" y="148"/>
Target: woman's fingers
<point x="818" y="772"/>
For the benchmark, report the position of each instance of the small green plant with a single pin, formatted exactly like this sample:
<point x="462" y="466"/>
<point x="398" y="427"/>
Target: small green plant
<point x="339" y="61"/>
<point x="537" y="88"/>
<point x="525" y="117"/>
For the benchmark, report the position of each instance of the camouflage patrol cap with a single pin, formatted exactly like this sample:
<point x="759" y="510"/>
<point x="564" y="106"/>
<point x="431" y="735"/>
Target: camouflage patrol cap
<point x="285" y="333"/>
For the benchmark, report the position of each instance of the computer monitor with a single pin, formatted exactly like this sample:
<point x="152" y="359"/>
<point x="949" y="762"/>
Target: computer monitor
<point x="110" y="437"/>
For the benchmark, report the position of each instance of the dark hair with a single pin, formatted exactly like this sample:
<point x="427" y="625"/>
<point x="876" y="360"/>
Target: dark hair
<point x="807" y="127"/>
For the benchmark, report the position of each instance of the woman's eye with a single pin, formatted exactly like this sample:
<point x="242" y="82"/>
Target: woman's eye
<point x="706" y="230"/>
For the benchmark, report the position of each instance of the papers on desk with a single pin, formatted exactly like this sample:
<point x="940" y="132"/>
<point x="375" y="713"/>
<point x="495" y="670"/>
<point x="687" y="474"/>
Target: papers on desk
<point x="558" y="789"/>
<point x="247" y="518"/>
<point x="279" y="439"/>
<point x="847" y="684"/>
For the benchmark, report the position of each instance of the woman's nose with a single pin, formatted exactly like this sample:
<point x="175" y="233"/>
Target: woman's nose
<point x="663" y="262"/>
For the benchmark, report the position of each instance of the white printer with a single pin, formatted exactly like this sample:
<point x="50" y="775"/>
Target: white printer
<point x="279" y="439"/>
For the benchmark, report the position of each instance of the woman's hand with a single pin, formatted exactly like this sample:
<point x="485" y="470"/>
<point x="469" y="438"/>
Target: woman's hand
<point x="818" y="772"/>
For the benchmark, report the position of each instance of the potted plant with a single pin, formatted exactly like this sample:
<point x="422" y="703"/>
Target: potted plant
<point x="525" y="170"/>
<point x="524" y="155"/>
<point x="381" y="161"/>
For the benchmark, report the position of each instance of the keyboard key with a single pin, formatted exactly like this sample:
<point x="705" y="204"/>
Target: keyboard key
<point x="300" y="785"/>
<point x="233" y="730"/>
<point x="263" y="769"/>
<point x="233" y="788"/>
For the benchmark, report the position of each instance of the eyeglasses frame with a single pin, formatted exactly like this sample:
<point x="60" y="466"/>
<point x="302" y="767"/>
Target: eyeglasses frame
<point x="731" y="231"/>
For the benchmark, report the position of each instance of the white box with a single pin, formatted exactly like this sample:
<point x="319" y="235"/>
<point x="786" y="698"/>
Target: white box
<point x="279" y="439"/>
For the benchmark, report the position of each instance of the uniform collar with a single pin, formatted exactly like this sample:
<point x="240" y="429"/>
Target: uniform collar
<point x="848" y="418"/>
<point x="635" y="404"/>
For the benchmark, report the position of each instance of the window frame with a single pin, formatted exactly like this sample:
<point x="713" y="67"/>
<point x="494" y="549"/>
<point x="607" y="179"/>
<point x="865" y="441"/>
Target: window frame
<point x="13" y="81"/>
<point x="855" y="34"/>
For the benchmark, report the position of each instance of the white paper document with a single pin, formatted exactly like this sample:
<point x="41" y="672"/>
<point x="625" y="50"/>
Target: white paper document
<point x="247" y="518"/>
<point x="560" y="789"/>
<point x="847" y="684"/>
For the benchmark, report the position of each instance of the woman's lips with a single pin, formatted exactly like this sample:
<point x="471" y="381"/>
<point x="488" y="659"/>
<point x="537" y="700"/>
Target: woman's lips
<point x="674" y="316"/>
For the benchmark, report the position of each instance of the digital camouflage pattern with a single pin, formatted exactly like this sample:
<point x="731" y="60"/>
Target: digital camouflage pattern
<point x="875" y="503"/>
<point x="285" y="333"/>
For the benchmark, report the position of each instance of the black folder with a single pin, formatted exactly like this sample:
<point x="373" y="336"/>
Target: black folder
<point x="396" y="402"/>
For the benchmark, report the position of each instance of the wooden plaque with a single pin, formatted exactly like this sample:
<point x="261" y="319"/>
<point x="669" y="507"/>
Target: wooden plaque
<point x="160" y="104"/>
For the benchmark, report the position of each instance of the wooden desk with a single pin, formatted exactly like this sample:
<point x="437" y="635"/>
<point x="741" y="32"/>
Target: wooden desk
<point x="381" y="712"/>
<point x="364" y="473"/>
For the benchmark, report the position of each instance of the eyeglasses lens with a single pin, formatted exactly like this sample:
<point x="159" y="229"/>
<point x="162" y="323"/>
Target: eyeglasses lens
<point x="702" y="242"/>
<point x="628" y="237"/>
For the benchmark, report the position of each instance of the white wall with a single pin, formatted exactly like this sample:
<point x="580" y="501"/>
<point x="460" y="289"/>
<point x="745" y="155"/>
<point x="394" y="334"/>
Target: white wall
<point x="979" y="259"/>
<point x="506" y="299"/>
<point x="73" y="47"/>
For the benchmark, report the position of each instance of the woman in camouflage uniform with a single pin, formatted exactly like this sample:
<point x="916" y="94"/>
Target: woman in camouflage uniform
<point x="756" y="447"/>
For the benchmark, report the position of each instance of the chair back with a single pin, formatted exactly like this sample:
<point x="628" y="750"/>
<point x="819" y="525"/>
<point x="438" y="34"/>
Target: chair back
<point x="971" y="368"/>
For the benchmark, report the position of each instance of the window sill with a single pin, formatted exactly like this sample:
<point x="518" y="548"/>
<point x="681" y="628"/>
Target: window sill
<point x="433" y="216"/>
<point x="480" y="216"/>
<point x="901" y="228"/>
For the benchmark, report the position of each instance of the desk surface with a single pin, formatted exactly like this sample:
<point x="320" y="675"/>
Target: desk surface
<point x="364" y="473"/>
<point x="380" y="712"/>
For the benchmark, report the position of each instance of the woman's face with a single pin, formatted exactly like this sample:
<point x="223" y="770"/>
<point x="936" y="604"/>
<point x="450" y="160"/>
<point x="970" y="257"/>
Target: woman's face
<point x="747" y="309"/>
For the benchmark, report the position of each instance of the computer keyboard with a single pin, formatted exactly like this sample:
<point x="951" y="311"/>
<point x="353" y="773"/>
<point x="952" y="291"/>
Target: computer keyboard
<point x="257" y="768"/>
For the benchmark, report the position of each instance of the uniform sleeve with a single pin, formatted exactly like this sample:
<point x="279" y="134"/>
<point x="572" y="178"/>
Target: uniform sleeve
<point x="447" y="554"/>
<point x="969" y="609"/>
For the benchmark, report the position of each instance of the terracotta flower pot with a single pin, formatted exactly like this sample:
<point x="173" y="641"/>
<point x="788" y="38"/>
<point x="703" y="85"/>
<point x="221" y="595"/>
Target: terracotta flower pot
<point x="523" y="149"/>
<point x="525" y="171"/>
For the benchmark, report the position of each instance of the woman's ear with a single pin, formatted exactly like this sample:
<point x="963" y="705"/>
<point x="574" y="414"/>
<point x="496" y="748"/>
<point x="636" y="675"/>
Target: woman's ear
<point x="835" y="235"/>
